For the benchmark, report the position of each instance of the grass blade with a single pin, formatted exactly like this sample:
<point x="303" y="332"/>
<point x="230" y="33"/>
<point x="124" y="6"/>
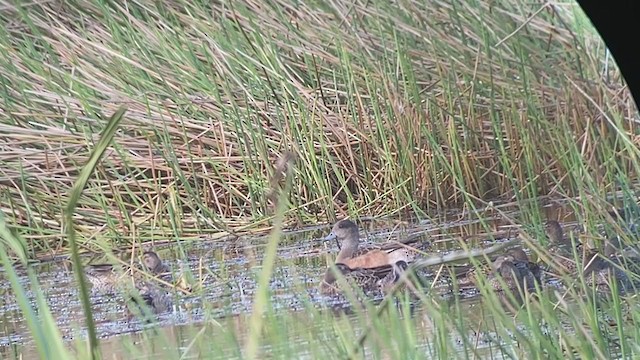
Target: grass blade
<point x="78" y="187"/>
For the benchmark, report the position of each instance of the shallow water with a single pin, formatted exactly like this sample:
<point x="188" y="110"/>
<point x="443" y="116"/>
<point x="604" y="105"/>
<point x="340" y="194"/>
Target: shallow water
<point x="227" y="271"/>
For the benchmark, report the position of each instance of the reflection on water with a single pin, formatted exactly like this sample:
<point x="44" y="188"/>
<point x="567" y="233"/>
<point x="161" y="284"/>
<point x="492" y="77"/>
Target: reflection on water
<point x="227" y="273"/>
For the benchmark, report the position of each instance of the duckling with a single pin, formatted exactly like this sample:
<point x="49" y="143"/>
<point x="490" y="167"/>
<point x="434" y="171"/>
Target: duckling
<point x="528" y="270"/>
<point x="111" y="278"/>
<point x="500" y="275"/>
<point x="155" y="298"/>
<point x="387" y="283"/>
<point x="156" y="266"/>
<point x="369" y="280"/>
<point x="562" y="259"/>
<point x="619" y="266"/>
<point x="598" y="270"/>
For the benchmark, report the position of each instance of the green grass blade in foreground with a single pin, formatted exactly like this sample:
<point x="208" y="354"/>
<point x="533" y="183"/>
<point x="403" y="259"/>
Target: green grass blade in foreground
<point x="43" y="328"/>
<point x="81" y="182"/>
<point x="260" y="299"/>
<point x="17" y="244"/>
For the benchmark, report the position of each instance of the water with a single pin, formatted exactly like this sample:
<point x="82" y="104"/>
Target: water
<point x="227" y="272"/>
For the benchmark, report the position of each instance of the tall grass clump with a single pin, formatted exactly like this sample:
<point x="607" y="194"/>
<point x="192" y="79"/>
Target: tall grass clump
<point x="409" y="106"/>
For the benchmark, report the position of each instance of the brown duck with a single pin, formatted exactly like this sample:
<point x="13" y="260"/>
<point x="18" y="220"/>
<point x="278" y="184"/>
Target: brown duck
<point x="351" y="255"/>
<point x="562" y="260"/>
<point x="501" y="274"/>
<point x="111" y="279"/>
<point x="367" y="279"/>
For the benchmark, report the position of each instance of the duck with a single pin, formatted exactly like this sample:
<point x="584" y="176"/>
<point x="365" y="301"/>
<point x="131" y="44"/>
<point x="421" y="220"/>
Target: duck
<point x="502" y="274"/>
<point x="153" y="297"/>
<point x="110" y="278"/>
<point x="619" y="265"/>
<point x="103" y="277"/>
<point x="530" y="271"/>
<point x="561" y="250"/>
<point x="138" y="291"/>
<point x="155" y="266"/>
<point x="351" y="255"/>
<point x="370" y="280"/>
<point x="387" y="283"/>
<point x="599" y="270"/>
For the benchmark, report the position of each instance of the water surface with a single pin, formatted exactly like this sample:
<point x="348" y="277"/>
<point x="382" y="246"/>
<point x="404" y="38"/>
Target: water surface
<point x="227" y="271"/>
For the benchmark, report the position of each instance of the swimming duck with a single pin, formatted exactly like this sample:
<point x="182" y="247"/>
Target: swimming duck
<point x="157" y="299"/>
<point x="152" y="263"/>
<point x="346" y="233"/>
<point x="136" y="289"/>
<point x="530" y="272"/>
<point x="619" y="265"/>
<point x="109" y="278"/>
<point x="599" y="270"/>
<point x="387" y="283"/>
<point x="562" y="260"/>
<point x="502" y="274"/>
<point x="369" y="280"/>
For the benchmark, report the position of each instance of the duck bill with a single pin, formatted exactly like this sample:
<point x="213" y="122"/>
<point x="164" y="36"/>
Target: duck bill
<point x="330" y="237"/>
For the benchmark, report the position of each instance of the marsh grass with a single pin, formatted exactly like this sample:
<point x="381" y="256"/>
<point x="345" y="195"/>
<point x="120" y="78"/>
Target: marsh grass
<point x="389" y="109"/>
